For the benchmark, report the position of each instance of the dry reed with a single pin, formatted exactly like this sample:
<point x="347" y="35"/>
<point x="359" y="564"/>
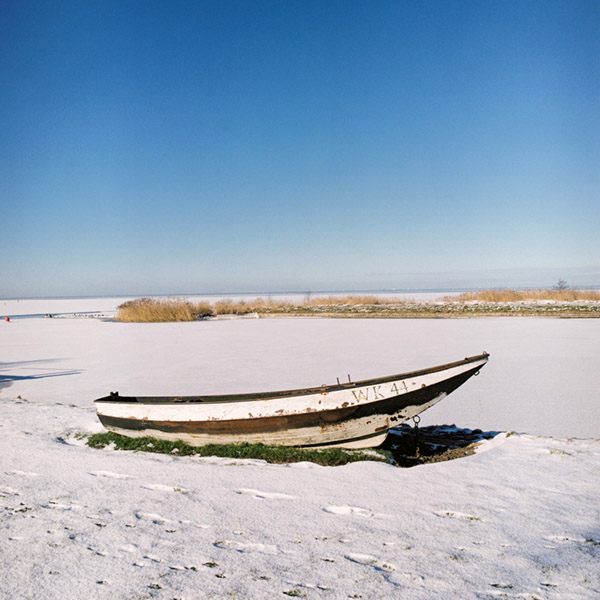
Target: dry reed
<point x="507" y="295"/>
<point x="240" y="307"/>
<point x="153" y="310"/>
<point x="162" y="310"/>
<point x="349" y="301"/>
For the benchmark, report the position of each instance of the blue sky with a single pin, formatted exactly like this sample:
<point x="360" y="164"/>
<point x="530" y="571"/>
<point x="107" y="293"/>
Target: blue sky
<point x="179" y="147"/>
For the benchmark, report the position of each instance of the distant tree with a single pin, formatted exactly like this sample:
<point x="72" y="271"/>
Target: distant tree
<point x="561" y="285"/>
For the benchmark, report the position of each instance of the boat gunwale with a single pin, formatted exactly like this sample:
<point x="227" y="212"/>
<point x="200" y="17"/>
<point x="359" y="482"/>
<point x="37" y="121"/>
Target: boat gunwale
<point x="252" y="396"/>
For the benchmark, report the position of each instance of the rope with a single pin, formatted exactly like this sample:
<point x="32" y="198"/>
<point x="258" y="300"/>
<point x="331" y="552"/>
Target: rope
<point x="416" y="421"/>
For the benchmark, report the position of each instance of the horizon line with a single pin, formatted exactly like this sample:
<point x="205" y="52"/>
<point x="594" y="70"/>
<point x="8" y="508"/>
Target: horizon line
<point x="300" y="292"/>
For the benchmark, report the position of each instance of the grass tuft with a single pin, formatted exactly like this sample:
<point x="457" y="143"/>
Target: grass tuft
<point x="331" y="457"/>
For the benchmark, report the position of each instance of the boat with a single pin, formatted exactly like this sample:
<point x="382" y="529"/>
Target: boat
<point x="352" y="414"/>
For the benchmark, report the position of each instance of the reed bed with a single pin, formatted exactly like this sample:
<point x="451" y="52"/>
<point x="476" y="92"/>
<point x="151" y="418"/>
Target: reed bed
<point x="243" y="307"/>
<point x="156" y="310"/>
<point x="260" y="305"/>
<point x="350" y="301"/>
<point x="507" y="295"/>
<point x="162" y="310"/>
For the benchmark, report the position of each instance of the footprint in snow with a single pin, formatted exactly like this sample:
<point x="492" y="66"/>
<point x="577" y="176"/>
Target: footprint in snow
<point x="163" y="488"/>
<point x="153" y="558"/>
<point x="154" y="517"/>
<point x="8" y="491"/>
<point x="265" y="495"/>
<point x="457" y="515"/>
<point x="303" y="584"/>
<point x="502" y="586"/>
<point x="59" y="505"/>
<point x="563" y="539"/>
<point x="22" y="473"/>
<point x="110" y="475"/>
<point x="369" y="561"/>
<point x="348" y="510"/>
<point x="240" y="547"/>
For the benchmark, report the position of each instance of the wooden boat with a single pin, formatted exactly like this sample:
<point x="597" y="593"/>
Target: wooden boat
<point x="355" y="414"/>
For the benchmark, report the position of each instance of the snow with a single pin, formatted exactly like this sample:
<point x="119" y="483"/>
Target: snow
<point x="519" y="519"/>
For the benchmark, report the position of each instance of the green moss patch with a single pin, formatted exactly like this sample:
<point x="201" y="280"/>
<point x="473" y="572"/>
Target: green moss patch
<point x="331" y="457"/>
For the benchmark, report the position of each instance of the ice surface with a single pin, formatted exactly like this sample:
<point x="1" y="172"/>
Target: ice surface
<point x="521" y="520"/>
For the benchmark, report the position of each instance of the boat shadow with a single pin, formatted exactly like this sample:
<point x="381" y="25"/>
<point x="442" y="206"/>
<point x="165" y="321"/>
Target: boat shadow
<point x="411" y="446"/>
<point x="8" y="379"/>
<point x="11" y="378"/>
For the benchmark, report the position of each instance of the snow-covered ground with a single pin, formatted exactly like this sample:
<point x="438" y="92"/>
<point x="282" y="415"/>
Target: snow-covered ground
<point x="520" y="519"/>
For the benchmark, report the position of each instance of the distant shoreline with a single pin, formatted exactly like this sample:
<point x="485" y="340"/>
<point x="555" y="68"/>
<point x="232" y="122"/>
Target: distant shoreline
<point x="303" y="293"/>
<point x="566" y="303"/>
<point x="555" y="303"/>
